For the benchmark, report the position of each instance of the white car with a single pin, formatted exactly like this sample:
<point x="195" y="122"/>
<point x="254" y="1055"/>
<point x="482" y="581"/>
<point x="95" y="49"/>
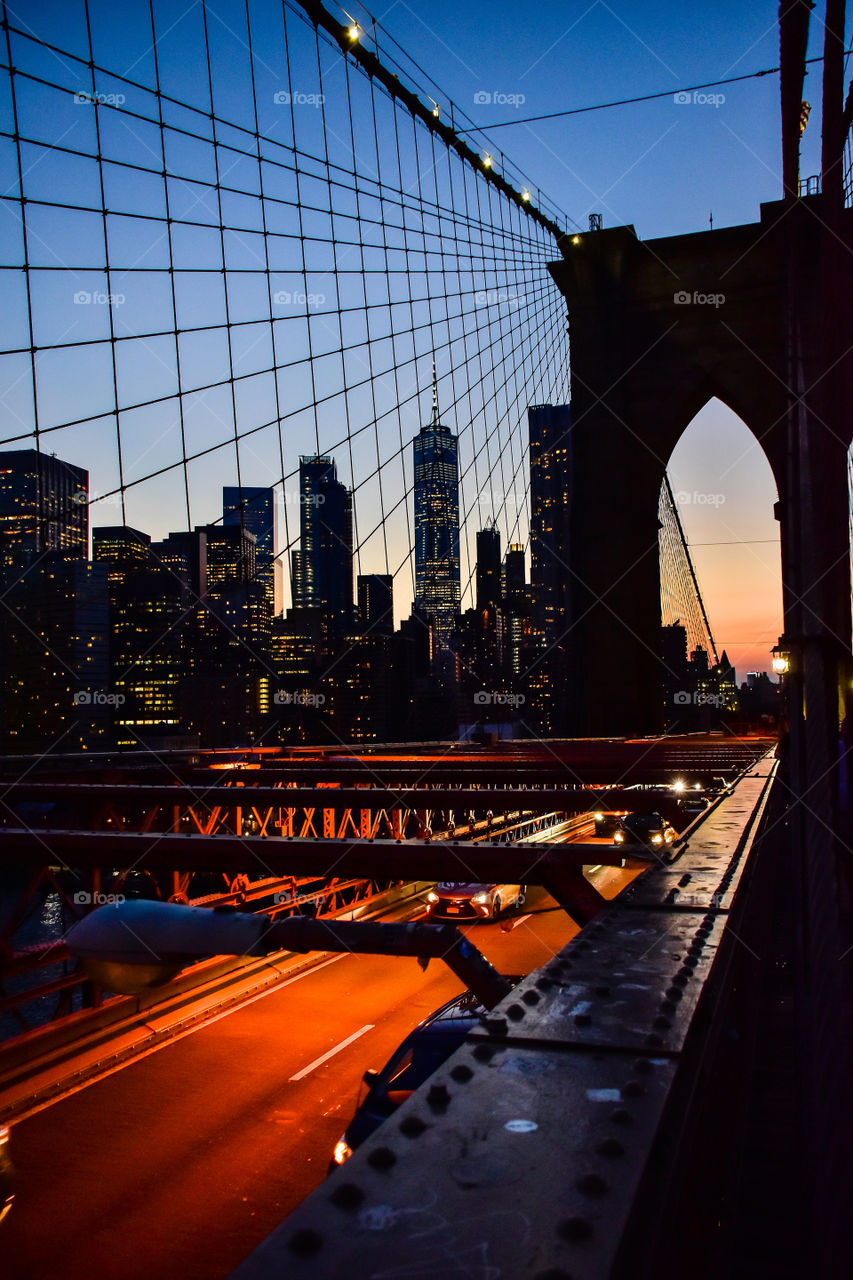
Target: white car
<point x="454" y="901"/>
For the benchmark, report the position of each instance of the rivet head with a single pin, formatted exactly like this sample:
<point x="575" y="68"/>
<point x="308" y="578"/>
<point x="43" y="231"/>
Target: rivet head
<point x="347" y="1196"/>
<point x="484" y="1052"/>
<point x="462" y="1073"/>
<point x="531" y="997"/>
<point x="515" y="1012"/>
<point x="621" y="1116"/>
<point x="496" y="1026"/>
<point x="305" y="1242"/>
<point x="382" y="1158"/>
<point x="633" y="1089"/>
<point x="438" y="1095"/>
<point x="412" y="1126"/>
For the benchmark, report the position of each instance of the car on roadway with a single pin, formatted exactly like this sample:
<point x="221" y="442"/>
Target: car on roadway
<point x="450" y="900"/>
<point x="650" y="830"/>
<point x="422" y="1052"/>
<point x="607" y="822"/>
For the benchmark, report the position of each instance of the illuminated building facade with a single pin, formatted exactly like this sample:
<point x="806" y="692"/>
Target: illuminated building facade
<point x="255" y="509"/>
<point x="436" y="502"/>
<point x="322" y="568"/>
<point x="43" y="508"/>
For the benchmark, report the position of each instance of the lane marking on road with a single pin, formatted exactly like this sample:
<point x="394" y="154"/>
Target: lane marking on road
<point x="318" y="1062"/>
<point x="269" y="990"/>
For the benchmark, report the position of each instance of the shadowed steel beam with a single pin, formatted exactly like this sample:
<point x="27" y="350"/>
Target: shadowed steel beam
<point x="570" y="800"/>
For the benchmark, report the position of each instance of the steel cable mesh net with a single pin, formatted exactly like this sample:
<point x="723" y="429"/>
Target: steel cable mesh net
<point x="225" y="246"/>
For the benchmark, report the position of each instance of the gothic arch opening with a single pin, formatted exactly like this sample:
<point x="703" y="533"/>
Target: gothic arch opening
<point x="717" y="661"/>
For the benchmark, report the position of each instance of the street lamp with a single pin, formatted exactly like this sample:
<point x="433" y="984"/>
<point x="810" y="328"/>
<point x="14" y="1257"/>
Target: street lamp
<point x="781" y="657"/>
<point x="133" y="945"/>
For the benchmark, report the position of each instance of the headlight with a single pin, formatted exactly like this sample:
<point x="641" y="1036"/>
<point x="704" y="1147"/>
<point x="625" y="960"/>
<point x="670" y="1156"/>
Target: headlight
<point x="599" y="817"/>
<point x="618" y="838"/>
<point x="657" y="839"/>
<point x="480" y="898"/>
<point x="342" y="1151"/>
<point x="432" y="897"/>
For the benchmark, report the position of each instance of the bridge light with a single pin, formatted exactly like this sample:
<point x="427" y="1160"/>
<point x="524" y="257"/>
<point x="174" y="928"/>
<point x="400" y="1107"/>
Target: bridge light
<point x="353" y="32"/>
<point x="576" y="239"/>
<point x="525" y="195"/>
<point x="678" y="785"/>
<point x="781" y="658"/>
<point x="487" y="161"/>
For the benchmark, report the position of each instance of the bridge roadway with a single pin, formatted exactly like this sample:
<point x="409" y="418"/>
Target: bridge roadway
<point x="177" y="1165"/>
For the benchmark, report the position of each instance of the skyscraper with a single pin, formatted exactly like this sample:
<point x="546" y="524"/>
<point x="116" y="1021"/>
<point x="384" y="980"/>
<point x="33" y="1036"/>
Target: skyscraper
<point x="376" y="603"/>
<point x="550" y="509"/>
<point x="322" y="567"/>
<point x="488" y="568"/>
<point x="255" y="509"/>
<point x="44" y="507"/>
<point x="437" y="525"/>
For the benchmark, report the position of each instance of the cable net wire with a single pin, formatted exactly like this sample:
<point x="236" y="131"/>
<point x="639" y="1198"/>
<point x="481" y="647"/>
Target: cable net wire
<point x="681" y="601"/>
<point x="227" y="246"/>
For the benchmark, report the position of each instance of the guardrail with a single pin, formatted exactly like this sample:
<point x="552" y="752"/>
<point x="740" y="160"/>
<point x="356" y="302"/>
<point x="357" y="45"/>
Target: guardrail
<point x="525" y="1153"/>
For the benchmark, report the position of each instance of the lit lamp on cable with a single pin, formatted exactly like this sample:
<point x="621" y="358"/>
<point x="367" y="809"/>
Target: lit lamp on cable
<point x="781" y="658"/>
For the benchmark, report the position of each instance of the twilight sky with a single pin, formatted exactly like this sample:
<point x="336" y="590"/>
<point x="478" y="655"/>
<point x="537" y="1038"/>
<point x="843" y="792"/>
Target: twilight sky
<point x="118" y="390"/>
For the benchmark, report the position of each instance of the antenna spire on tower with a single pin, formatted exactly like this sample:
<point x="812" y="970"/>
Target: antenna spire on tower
<point x="434" y="393"/>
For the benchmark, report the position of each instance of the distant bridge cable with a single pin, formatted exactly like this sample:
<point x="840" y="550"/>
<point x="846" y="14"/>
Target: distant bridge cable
<point x="629" y="102"/>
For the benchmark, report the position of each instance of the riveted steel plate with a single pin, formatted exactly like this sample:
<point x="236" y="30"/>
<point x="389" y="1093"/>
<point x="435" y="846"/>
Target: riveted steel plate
<point x="530" y="1169"/>
<point x="629" y="981"/>
<point x="701" y="889"/>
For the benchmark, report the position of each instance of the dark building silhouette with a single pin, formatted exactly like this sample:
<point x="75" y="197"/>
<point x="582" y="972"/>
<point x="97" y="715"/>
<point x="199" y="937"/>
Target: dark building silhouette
<point x="550" y="510"/>
<point x="254" y="509"/>
<point x="376" y="603"/>
<point x="322" y="568"/>
<point x="436" y="502"/>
